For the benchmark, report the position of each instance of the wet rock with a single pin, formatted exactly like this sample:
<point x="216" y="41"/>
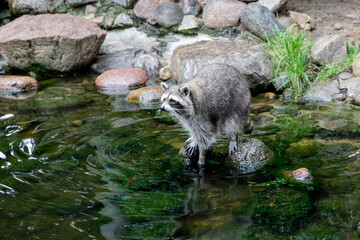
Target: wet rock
<point x="117" y="40"/>
<point x="59" y="42"/>
<point x="151" y="94"/>
<point x="260" y="108"/>
<point x="357" y="99"/>
<point x="222" y="13"/>
<point x="329" y="49"/>
<point x="167" y="14"/>
<point x="260" y="20"/>
<point x="126" y="58"/>
<point x="249" y="59"/>
<point x="302" y="175"/>
<point x="90" y="9"/>
<point x="190" y="7"/>
<point x="339" y="97"/>
<point x="270" y="95"/>
<point x="345" y="76"/>
<point x="76" y="3"/>
<point x="251" y="155"/>
<point x="121" y="78"/>
<point x="299" y="18"/>
<point x="282" y="210"/>
<point x="189" y="22"/>
<point x="20" y="7"/>
<point x="356" y="66"/>
<point x="322" y="92"/>
<point x="17" y="83"/>
<point x="143" y="8"/>
<point x="149" y="64"/>
<point x="352" y="86"/>
<point x="165" y="73"/>
<point x="125" y="3"/>
<point x="288" y="94"/>
<point x="123" y="20"/>
<point x="273" y="5"/>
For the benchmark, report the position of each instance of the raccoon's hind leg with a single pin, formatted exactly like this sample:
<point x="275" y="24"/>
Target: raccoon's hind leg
<point x="191" y="146"/>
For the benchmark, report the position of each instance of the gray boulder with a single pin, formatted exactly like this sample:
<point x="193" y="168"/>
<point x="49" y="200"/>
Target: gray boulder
<point x="125" y="3"/>
<point x="322" y="92"/>
<point x="123" y="20"/>
<point x="167" y="14"/>
<point x="125" y="58"/>
<point x="249" y="59"/>
<point x="329" y="49"/>
<point x="18" y="7"/>
<point x="59" y="42"/>
<point x="149" y="64"/>
<point x="352" y="86"/>
<point x="260" y="21"/>
<point x="273" y="5"/>
<point x="190" y="7"/>
<point x="250" y="156"/>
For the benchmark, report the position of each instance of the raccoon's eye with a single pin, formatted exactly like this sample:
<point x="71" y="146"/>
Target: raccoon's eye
<point x="172" y="101"/>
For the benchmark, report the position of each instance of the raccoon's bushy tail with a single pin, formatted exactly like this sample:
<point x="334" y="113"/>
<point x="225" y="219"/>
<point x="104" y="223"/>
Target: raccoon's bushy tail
<point x="248" y="128"/>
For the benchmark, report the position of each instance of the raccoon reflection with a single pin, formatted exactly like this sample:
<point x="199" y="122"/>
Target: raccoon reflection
<point x="216" y="100"/>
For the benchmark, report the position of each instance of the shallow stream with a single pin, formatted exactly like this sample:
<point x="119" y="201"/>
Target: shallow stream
<point x="77" y="164"/>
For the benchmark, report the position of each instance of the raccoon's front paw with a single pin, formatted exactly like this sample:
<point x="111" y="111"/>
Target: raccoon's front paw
<point x="232" y="147"/>
<point x="191" y="148"/>
<point x="189" y="140"/>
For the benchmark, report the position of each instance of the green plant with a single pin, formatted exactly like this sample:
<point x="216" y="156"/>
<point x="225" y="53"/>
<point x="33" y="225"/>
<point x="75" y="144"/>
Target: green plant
<point x="328" y="72"/>
<point x="290" y="53"/>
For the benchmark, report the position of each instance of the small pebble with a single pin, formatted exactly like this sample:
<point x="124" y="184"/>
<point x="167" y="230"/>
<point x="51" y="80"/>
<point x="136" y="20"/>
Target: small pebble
<point x="165" y="73"/>
<point x="78" y="123"/>
<point x="301" y="175"/>
<point x="270" y="95"/>
<point x="339" y="97"/>
<point x="260" y="108"/>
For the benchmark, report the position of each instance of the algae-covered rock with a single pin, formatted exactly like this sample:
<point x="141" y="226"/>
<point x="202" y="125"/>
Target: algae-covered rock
<point x="54" y="98"/>
<point x="282" y="210"/>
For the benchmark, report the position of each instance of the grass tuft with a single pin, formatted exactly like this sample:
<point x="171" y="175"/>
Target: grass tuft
<point x="290" y="53"/>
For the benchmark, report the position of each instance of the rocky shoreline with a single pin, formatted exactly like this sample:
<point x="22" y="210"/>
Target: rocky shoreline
<point x="160" y="36"/>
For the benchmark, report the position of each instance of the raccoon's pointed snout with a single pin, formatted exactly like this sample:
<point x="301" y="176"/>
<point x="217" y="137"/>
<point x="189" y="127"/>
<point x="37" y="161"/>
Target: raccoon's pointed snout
<point x="162" y="108"/>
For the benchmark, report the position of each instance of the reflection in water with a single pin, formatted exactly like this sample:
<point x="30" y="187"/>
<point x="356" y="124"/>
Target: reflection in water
<point x="17" y="95"/>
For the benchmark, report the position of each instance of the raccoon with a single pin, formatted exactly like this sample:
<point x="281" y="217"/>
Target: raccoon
<point x="216" y="100"/>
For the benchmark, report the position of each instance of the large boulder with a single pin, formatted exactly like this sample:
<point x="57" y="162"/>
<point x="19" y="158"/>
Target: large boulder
<point x="260" y="20"/>
<point x="167" y="14"/>
<point x="222" y="13"/>
<point x="322" y="92"/>
<point x="329" y="49"/>
<point x="249" y="59"/>
<point x="58" y="42"/>
<point x="18" y="7"/>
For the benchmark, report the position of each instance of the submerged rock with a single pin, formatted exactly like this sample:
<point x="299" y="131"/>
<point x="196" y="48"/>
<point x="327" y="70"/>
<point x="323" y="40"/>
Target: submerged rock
<point x="323" y="92"/>
<point x="329" y="49"/>
<point x="167" y="14"/>
<point x="249" y="59"/>
<point x="222" y="13"/>
<point x="282" y="210"/>
<point x="260" y="20"/>
<point x="150" y="94"/>
<point x="59" y="42"/>
<point x="302" y="175"/>
<point x="251" y="155"/>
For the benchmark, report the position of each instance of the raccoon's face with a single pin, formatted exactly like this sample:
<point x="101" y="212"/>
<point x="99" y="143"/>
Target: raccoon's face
<point x="176" y="100"/>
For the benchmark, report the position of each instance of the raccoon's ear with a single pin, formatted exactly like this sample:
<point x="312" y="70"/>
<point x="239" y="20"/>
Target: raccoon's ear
<point x="164" y="85"/>
<point x="185" y="90"/>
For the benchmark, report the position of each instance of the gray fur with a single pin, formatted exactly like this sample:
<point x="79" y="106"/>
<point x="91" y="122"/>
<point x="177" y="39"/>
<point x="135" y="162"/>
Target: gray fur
<point x="216" y="100"/>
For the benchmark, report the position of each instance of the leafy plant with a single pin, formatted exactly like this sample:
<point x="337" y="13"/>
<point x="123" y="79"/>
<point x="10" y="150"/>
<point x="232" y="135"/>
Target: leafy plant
<point x="290" y="53"/>
<point x="328" y="72"/>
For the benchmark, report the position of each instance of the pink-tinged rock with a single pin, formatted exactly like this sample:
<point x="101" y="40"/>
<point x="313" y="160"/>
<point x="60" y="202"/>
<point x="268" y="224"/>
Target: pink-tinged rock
<point x="109" y="22"/>
<point x="222" y="13"/>
<point x="143" y="8"/>
<point x="339" y="97"/>
<point x="300" y="18"/>
<point x="17" y="83"/>
<point x="121" y="78"/>
<point x="301" y="175"/>
<point x="59" y="42"/>
<point x="357" y="99"/>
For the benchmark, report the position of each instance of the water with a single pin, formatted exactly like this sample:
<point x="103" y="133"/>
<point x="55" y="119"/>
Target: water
<point x="77" y="164"/>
